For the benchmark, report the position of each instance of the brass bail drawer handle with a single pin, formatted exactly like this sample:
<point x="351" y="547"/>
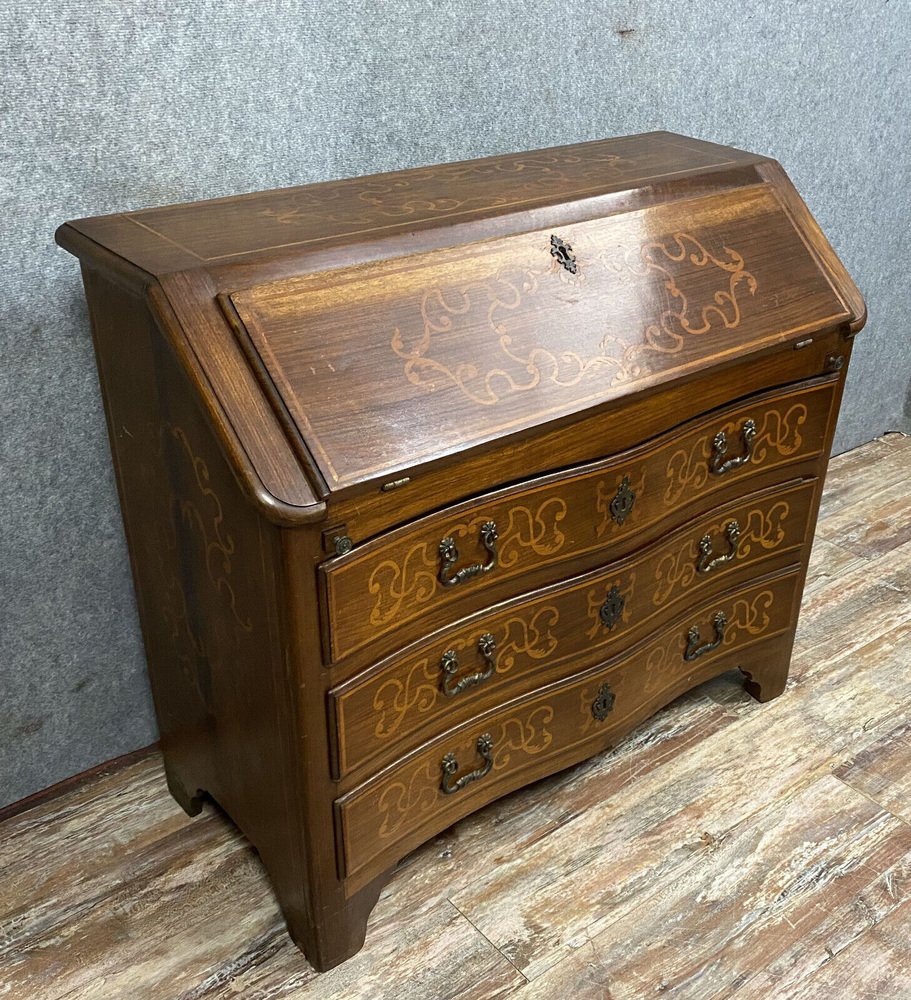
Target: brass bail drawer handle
<point x="694" y="649"/>
<point x="449" y="765"/>
<point x="449" y="664"/>
<point x="718" y="464"/>
<point x="450" y="556"/>
<point x="707" y="562"/>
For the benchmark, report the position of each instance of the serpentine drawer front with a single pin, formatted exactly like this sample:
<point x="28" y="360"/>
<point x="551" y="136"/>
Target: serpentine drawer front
<point x="460" y="559"/>
<point x="517" y="646"/>
<point x="550" y="728"/>
<point x="440" y="481"/>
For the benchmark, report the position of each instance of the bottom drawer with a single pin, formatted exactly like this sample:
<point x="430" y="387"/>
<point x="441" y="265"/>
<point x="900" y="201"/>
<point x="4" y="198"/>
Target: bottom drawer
<point x="412" y="800"/>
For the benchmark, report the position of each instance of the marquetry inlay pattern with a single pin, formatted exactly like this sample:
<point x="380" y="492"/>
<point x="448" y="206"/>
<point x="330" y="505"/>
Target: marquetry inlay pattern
<point x="441" y="481"/>
<point x="567" y="516"/>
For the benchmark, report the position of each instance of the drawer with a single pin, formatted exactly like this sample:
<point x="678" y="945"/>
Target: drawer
<point x="425" y="574"/>
<point x="528" y="738"/>
<point x="505" y="651"/>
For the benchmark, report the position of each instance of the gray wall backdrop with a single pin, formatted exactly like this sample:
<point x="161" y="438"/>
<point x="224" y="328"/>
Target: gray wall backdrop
<point x="110" y="106"/>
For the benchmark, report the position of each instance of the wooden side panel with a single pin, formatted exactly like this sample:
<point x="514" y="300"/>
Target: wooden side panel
<point x="377" y="590"/>
<point x="207" y="573"/>
<point x="537" y="735"/>
<point x="400" y="703"/>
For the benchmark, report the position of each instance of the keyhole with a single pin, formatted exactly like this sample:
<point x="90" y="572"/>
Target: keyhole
<point x="564" y="254"/>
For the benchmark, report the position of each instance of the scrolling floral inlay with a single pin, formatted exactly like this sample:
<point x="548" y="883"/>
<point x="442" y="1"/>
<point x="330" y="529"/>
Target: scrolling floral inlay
<point x="662" y="666"/>
<point x="689" y="467"/>
<point x="419" y="691"/>
<point x="677" y="570"/>
<point x="409" y="799"/>
<point x="748" y="615"/>
<point x="413" y="579"/>
<point x="525" y="366"/>
<point x="379" y="201"/>
<point x="218" y="544"/>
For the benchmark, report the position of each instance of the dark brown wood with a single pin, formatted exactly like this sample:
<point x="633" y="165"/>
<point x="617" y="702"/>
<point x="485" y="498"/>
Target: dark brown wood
<point x="563" y="522"/>
<point x="308" y="390"/>
<point x="756" y="839"/>
<point x="392" y="707"/>
<point x="551" y="728"/>
<point x="459" y="347"/>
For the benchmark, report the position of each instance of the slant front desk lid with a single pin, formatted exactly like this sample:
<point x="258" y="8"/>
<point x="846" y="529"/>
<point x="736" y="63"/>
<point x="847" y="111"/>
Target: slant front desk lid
<point x="388" y="364"/>
<point x="392" y="321"/>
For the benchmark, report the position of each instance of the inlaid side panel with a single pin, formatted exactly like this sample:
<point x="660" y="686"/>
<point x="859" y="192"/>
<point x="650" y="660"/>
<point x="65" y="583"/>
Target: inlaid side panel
<point x="420" y="574"/>
<point x="502" y="652"/>
<point x="385" y="818"/>
<point x="207" y="571"/>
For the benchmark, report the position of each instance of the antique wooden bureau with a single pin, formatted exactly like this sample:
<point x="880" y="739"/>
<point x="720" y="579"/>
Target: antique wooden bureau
<point x="439" y="481"/>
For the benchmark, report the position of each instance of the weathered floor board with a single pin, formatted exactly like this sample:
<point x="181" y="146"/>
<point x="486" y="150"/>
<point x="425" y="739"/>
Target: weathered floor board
<point x="726" y="849"/>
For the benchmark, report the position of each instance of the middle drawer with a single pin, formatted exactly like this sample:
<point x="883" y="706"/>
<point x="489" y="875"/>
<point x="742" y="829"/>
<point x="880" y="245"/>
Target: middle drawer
<point x="517" y="645"/>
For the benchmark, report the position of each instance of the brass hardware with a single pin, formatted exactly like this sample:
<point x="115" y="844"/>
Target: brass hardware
<point x="603" y="704"/>
<point x="449" y="664"/>
<point x="449" y="765"/>
<point x="450" y="556"/>
<point x="803" y="343"/>
<point x="622" y="504"/>
<point x="564" y="254"/>
<point x="835" y="362"/>
<point x="612" y="608"/>
<point x="342" y="544"/>
<point x="706" y="563"/>
<point x="718" y="464"/>
<point x="694" y="649"/>
<point x="395" y="484"/>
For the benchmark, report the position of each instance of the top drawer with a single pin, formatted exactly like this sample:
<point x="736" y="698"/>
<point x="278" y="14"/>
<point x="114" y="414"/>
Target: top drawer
<point x="434" y="570"/>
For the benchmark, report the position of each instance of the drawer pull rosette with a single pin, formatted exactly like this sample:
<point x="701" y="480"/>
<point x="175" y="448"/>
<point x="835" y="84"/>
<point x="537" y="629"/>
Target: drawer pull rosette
<point x="449" y="555"/>
<point x="695" y="647"/>
<point x="449" y="664"/>
<point x="718" y="463"/>
<point x="449" y="766"/>
<point x="707" y="560"/>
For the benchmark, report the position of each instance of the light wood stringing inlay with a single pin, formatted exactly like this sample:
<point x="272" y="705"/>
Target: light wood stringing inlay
<point x="459" y="345"/>
<point x="388" y="709"/>
<point x="383" y="585"/>
<point x="405" y="805"/>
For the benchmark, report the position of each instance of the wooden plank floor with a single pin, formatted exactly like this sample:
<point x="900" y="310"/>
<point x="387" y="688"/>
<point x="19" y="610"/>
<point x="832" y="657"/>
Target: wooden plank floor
<point x="726" y="849"/>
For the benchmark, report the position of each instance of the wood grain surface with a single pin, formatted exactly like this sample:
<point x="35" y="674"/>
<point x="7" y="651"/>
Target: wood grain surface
<point x="544" y="732"/>
<point x="388" y="589"/>
<point x="429" y="312"/>
<point x="560" y="359"/>
<point x="725" y="849"/>
<point x="458" y="347"/>
<point x="393" y="707"/>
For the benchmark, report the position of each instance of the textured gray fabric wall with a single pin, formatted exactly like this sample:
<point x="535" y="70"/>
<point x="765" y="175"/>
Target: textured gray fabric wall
<point x="117" y="105"/>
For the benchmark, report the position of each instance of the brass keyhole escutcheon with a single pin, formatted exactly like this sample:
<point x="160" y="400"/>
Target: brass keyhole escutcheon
<point x="611" y="610"/>
<point x="603" y="704"/>
<point x="564" y="254"/>
<point x="622" y="505"/>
